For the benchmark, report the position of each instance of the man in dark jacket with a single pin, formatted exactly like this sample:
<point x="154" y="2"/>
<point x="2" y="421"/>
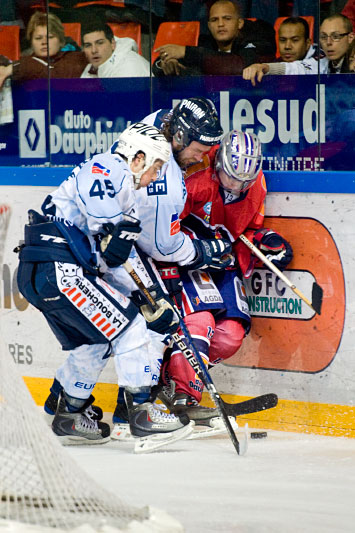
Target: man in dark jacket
<point x="234" y="43"/>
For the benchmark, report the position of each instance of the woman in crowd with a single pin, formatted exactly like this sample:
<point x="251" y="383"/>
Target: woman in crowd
<point x="50" y="57"/>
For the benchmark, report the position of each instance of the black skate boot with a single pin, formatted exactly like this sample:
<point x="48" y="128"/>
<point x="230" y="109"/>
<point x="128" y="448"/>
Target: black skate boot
<point x="207" y="420"/>
<point x="51" y="404"/>
<point x="78" y="427"/>
<point x="153" y="428"/>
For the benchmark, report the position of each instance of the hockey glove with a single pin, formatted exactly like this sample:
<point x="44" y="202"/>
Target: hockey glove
<point x="274" y="247"/>
<point x="117" y="245"/>
<point x="163" y="320"/>
<point x="169" y="273"/>
<point x="211" y="254"/>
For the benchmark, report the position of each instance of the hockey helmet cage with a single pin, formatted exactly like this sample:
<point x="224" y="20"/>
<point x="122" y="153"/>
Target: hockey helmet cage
<point x="239" y="156"/>
<point x="140" y="137"/>
<point x="195" y="119"/>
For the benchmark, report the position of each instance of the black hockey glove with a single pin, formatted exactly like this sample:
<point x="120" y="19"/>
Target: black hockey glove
<point x="211" y="254"/>
<point x="163" y="320"/>
<point x="274" y="247"/>
<point x="169" y="273"/>
<point x="117" y="245"/>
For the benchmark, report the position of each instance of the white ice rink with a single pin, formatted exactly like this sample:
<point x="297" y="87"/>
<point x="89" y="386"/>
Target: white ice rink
<point x="286" y="483"/>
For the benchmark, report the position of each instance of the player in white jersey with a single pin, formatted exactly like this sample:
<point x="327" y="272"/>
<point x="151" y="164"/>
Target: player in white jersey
<point x="192" y="128"/>
<point x="70" y="253"/>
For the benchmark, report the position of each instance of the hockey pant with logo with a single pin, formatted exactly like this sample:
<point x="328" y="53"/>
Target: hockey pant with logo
<point x="92" y="320"/>
<point x="217" y="316"/>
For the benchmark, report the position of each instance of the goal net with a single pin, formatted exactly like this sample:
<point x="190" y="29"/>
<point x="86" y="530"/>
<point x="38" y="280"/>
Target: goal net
<point x="40" y="483"/>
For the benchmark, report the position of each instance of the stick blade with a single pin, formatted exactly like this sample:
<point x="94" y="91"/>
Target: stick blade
<point x="317" y="297"/>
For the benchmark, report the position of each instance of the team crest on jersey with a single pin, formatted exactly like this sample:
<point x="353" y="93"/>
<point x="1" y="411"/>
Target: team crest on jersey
<point x="100" y="169"/>
<point x="207" y="209"/>
<point x="174" y="224"/>
<point x="157" y="188"/>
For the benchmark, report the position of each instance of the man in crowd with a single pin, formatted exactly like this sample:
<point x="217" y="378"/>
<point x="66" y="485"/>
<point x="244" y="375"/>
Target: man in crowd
<point x="294" y="41"/>
<point x="233" y="44"/>
<point x="109" y="56"/>
<point x="335" y="36"/>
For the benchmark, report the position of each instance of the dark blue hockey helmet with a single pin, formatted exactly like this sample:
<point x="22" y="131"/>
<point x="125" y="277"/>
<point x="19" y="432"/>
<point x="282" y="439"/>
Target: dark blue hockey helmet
<point x="195" y="119"/>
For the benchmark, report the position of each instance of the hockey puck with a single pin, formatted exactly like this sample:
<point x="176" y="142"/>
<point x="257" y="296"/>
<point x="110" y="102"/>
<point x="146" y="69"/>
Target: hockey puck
<point x="258" y="435"/>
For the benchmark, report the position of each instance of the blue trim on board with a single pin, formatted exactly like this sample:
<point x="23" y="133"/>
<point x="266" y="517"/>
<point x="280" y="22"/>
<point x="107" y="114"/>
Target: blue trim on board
<point x="277" y="181"/>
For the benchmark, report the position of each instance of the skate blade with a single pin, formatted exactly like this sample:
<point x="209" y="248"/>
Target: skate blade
<point x="243" y="443"/>
<point x="122" y="432"/>
<point x="216" y="427"/>
<point x="158" y="440"/>
<point x="72" y="440"/>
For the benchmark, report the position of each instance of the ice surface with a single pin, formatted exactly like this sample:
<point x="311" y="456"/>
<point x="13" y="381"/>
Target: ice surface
<point x="286" y="483"/>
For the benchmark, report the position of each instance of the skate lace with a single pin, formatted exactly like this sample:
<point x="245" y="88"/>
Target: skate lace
<point x="87" y="424"/>
<point x="89" y="412"/>
<point x="161" y="416"/>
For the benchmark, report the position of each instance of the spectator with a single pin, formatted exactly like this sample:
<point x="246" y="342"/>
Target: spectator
<point x="111" y="57"/>
<point x="233" y="44"/>
<point x="47" y="58"/>
<point x="294" y="41"/>
<point x="335" y="37"/>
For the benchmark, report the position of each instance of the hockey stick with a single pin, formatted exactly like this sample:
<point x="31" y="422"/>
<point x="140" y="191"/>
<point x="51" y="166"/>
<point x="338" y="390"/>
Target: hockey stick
<point x="253" y="405"/>
<point x="194" y="359"/>
<point x="317" y="291"/>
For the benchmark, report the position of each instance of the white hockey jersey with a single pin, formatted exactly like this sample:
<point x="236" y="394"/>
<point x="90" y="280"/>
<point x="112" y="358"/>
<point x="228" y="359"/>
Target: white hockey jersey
<point x="98" y="191"/>
<point x="160" y="205"/>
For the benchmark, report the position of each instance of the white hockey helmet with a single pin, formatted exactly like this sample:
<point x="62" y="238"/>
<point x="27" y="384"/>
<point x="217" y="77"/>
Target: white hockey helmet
<point x="238" y="161"/>
<point x="138" y="138"/>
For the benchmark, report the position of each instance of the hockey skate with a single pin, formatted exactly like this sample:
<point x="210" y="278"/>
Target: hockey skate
<point x="51" y="404"/>
<point x="153" y="428"/>
<point x="78" y="427"/>
<point x="207" y="420"/>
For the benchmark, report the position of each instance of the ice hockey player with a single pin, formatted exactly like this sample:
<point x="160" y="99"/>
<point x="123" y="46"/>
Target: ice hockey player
<point x="225" y="197"/>
<point x="70" y="269"/>
<point x="193" y="128"/>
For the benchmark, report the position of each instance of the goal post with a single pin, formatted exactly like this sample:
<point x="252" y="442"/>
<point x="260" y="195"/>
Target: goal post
<point x="41" y="485"/>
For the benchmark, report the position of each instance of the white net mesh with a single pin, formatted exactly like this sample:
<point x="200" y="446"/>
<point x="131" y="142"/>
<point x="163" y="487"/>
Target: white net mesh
<point x="40" y="484"/>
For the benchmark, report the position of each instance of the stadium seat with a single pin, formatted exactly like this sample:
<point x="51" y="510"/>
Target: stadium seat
<point x="10" y="42"/>
<point x="128" y="29"/>
<point x="278" y="23"/>
<point x="73" y="30"/>
<point x="184" y="33"/>
<point x="111" y="3"/>
<point x="41" y="5"/>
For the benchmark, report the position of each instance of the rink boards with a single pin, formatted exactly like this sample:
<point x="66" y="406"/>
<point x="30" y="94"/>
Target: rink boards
<point x="306" y="359"/>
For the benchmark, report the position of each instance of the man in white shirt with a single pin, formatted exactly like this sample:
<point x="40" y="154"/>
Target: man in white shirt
<point x="109" y="56"/>
<point x="335" y="37"/>
<point x="294" y="41"/>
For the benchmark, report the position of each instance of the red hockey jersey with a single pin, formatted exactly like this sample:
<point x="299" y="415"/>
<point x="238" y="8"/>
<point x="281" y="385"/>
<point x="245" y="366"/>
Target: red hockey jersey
<point x="215" y="209"/>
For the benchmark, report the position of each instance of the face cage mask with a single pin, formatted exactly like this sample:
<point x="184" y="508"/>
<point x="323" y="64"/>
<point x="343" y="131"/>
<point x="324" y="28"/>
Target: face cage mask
<point x="233" y="162"/>
<point x="239" y="185"/>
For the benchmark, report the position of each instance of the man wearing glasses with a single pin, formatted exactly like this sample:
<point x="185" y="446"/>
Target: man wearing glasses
<point x="335" y="37"/>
